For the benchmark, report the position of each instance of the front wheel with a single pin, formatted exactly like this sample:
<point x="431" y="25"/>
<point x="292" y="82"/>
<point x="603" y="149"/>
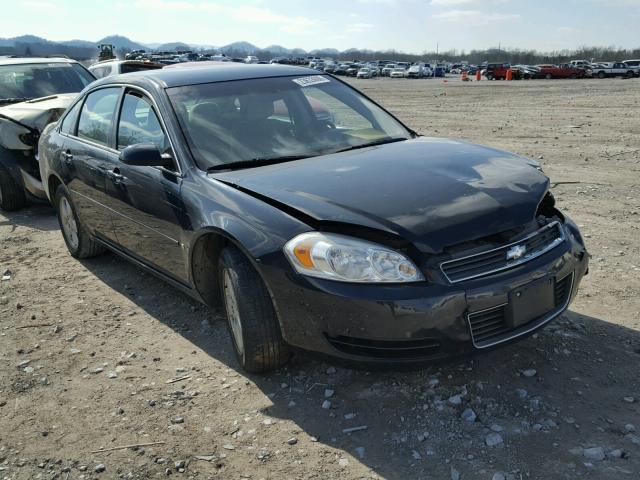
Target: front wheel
<point x="548" y="76"/>
<point x="251" y="317"/>
<point x="12" y="195"/>
<point x="79" y="242"/>
<point x="601" y="75"/>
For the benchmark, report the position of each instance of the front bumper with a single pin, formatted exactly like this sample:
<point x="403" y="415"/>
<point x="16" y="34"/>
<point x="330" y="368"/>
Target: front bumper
<point x="33" y="186"/>
<point x="415" y="323"/>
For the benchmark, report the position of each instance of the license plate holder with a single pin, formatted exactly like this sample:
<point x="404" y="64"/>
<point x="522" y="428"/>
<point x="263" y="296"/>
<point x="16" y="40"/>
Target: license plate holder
<point x="531" y="301"/>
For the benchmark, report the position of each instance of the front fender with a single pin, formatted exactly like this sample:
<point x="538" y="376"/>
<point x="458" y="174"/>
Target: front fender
<point x="257" y="227"/>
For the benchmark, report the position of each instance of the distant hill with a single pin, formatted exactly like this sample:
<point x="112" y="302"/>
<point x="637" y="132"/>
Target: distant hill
<point x="30" y="39"/>
<point x="325" y="52"/>
<point x="172" y="47"/>
<point x="278" y="50"/>
<point x="78" y="43"/>
<point x="240" y="48"/>
<point x="122" y="42"/>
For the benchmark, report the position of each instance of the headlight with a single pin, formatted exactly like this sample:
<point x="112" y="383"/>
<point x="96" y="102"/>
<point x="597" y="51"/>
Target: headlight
<point x="346" y="259"/>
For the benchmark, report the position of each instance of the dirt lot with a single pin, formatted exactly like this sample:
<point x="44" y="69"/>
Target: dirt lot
<point x="96" y="374"/>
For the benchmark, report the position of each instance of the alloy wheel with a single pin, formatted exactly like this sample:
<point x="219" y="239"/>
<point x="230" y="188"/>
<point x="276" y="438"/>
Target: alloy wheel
<point x="233" y="312"/>
<point x="69" y="225"/>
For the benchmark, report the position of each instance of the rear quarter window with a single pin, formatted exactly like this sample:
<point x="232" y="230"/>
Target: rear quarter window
<point x="69" y="122"/>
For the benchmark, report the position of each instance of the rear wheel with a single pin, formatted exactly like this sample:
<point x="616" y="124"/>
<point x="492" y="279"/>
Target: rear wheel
<point x="548" y="76"/>
<point x="251" y="317"/>
<point x="12" y="195"/>
<point x="630" y="74"/>
<point x="79" y="242"/>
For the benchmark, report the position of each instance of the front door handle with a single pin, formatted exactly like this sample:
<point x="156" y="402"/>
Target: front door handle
<point x="67" y="157"/>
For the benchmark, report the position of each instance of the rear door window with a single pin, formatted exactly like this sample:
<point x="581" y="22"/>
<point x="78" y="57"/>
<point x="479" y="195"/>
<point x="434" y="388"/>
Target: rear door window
<point x="96" y="117"/>
<point x="139" y="124"/>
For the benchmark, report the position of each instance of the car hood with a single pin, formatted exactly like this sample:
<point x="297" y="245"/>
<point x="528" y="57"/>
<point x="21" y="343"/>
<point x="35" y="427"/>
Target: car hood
<point x="35" y="114"/>
<point x="431" y="192"/>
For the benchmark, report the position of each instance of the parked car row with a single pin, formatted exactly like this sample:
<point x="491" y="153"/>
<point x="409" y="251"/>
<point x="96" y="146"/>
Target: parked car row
<point x="385" y="68"/>
<point x="169" y="58"/>
<point x="377" y="69"/>
<point x="574" y="69"/>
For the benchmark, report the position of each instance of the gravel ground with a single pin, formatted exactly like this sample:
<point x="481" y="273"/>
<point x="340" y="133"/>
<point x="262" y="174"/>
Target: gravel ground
<point x="96" y="354"/>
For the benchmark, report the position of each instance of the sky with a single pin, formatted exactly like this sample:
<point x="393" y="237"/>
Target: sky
<point x="406" y="25"/>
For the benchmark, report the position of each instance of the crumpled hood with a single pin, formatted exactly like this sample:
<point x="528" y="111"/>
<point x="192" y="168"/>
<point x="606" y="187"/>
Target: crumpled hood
<point x="431" y="192"/>
<point x="37" y="114"/>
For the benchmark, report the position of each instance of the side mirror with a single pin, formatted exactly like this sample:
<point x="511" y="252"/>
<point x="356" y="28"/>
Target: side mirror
<point x="145" y="155"/>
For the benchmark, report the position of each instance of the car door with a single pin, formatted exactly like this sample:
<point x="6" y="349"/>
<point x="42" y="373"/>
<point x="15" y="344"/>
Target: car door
<point x="87" y="157"/>
<point x="150" y="215"/>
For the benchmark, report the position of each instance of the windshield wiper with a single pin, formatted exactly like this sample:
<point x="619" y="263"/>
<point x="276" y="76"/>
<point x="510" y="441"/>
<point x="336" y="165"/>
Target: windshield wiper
<point x="13" y="100"/>
<point x="256" y="162"/>
<point x="372" y="144"/>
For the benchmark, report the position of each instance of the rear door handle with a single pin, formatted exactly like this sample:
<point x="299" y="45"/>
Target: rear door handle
<point x="115" y="175"/>
<point x="67" y="157"/>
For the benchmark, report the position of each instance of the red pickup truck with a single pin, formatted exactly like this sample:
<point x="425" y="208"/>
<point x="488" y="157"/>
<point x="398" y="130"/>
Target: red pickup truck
<point x="498" y="71"/>
<point x="560" y="71"/>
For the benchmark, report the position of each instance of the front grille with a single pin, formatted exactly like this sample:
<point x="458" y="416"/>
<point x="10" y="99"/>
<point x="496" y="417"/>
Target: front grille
<point x="562" y="290"/>
<point x="496" y="260"/>
<point x="390" y="349"/>
<point x="491" y="326"/>
<point x="488" y="324"/>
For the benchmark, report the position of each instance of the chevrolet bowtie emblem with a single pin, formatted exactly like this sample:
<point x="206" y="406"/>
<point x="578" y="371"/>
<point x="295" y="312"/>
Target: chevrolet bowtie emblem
<point x="516" y="252"/>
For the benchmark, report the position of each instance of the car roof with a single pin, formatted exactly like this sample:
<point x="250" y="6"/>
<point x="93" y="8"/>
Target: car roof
<point x="176" y="77"/>
<point x="29" y="60"/>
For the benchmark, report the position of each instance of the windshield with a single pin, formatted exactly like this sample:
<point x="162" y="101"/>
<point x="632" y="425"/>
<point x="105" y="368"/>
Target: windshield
<point x="271" y="118"/>
<point x="35" y="80"/>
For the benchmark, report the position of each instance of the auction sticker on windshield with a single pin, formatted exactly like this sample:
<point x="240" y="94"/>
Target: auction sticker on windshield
<point x="311" y="80"/>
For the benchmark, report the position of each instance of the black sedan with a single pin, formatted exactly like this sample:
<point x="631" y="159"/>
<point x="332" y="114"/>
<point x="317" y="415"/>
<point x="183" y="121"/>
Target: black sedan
<point x="312" y="216"/>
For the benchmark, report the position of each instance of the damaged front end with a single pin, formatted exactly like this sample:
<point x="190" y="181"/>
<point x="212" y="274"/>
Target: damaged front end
<point x="20" y="127"/>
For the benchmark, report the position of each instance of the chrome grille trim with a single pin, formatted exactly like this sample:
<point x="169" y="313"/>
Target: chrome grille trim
<point x="507" y="264"/>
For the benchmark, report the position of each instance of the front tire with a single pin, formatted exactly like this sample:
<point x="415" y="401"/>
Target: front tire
<point x="79" y="242"/>
<point x="251" y="317"/>
<point x="12" y="195"/>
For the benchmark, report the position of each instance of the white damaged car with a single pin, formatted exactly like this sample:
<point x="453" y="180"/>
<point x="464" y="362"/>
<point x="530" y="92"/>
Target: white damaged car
<point x="34" y="92"/>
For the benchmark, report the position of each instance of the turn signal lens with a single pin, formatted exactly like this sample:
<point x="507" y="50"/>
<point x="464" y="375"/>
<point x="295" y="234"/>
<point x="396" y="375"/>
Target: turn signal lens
<point x="347" y="259"/>
<point x="303" y="255"/>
